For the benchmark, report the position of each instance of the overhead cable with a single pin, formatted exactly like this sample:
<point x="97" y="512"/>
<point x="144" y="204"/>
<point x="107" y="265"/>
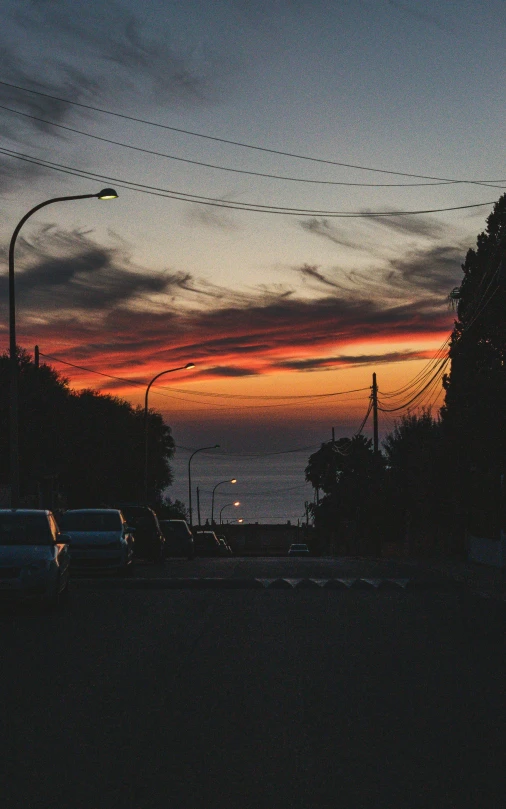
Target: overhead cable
<point x="255" y="455"/>
<point x="238" y="143"/>
<point x="418" y="394"/>
<point x="219" y="407"/>
<point x="200" y="163"/>
<point x="364" y="422"/>
<point x="238" y="206"/>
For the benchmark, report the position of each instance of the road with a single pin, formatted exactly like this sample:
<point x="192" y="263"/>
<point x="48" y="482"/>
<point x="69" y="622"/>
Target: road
<point x="146" y="697"/>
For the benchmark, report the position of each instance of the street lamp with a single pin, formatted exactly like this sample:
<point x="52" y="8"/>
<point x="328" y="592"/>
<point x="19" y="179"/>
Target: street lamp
<point x="237" y="503"/>
<point x="233" y="480"/>
<point x="201" y="449"/>
<point x="106" y="193"/>
<point x="170" y="371"/>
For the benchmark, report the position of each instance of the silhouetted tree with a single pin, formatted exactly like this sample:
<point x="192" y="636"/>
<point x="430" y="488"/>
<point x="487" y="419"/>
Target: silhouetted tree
<point x="173" y="510"/>
<point x="88" y="445"/>
<point x="474" y="413"/>
<point x="43" y="400"/>
<point x="420" y="482"/>
<point x="350" y="476"/>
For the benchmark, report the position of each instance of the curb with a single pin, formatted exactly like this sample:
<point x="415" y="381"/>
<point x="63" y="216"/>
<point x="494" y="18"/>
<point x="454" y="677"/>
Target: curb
<point x="217" y="583"/>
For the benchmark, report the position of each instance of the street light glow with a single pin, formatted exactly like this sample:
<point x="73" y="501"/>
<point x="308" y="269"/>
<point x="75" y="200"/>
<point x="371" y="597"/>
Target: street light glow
<point x="107" y="193"/>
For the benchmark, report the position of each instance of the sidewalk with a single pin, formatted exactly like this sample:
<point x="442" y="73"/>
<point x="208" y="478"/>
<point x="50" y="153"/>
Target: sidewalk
<point x="483" y="579"/>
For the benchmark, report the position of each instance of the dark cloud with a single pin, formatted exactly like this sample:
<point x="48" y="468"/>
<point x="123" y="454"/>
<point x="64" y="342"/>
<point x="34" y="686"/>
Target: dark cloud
<point x="426" y="226"/>
<point x="314" y="273"/>
<point x="70" y="273"/>
<point x="115" y="58"/>
<point x="210" y="218"/>
<point x="436" y="269"/>
<point x="330" y="231"/>
<point x="319" y="363"/>
<point x="114" y="313"/>
<point x="433" y="270"/>
<point x="421" y="16"/>
<point x="114" y="35"/>
<point x="228" y="371"/>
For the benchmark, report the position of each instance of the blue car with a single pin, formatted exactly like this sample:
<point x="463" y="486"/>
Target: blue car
<point x="34" y="557"/>
<point x="99" y="538"/>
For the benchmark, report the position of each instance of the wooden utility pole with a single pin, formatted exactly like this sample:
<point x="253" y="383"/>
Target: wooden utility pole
<point x="36" y="357"/>
<point x="375" y="412"/>
<point x="198" y="505"/>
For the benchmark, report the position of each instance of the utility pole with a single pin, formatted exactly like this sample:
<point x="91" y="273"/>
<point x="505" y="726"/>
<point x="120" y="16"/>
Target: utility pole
<point x="198" y="505"/>
<point x="36" y="357"/>
<point x="375" y="412"/>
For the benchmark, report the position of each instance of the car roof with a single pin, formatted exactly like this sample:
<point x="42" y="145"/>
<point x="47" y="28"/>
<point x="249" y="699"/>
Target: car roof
<point x="92" y="511"/>
<point x="183" y="521"/>
<point x="24" y="511"/>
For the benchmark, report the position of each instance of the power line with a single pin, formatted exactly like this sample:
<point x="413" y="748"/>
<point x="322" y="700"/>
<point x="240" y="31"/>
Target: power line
<point x="270" y="491"/>
<point x="200" y="163"/>
<point x="255" y="455"/>
<point x="219" y="407"/>
<point x="269" y="396"/>
<point x="439" y="371"/>
<point x="364" y="422"/>
<point x="238" y="206"/>
<point x="239" y="143"/>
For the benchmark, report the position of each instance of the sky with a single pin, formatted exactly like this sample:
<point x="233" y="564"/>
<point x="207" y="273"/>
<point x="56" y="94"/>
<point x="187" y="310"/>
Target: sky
<point x="284" y="290"/>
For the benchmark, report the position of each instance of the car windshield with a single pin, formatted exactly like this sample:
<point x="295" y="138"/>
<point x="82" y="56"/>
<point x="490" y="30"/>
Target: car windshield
<point x="140" y="518"/>
<point x="25" y="529"/>
<point x="179" y="530"/>
<point x="90" y="521"/>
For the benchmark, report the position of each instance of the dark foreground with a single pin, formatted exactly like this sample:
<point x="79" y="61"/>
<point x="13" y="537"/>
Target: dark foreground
<point x="147" y="698"/>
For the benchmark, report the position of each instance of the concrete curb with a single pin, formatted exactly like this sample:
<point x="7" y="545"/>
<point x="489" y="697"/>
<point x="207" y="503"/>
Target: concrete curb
<point x="220" y="583"/>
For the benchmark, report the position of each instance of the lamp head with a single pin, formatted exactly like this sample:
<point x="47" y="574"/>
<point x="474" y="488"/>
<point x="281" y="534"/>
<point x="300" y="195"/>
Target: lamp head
<point x="189" y="365"/>
<point x="237" y="503"/>
<point x="233" y="480"/>
<point x="107" y="193"/>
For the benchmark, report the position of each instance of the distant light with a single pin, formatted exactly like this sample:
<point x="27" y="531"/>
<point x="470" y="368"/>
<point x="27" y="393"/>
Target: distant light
<point x="107" y="193"/>
<point x="190" y="365"/>
<point x="240" y="519"/>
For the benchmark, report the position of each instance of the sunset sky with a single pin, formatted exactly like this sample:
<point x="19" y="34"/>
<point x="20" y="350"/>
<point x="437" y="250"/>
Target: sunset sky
<point x="267" y="303"/>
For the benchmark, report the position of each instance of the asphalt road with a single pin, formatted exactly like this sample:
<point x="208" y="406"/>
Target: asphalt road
<point x="147" y="698"/>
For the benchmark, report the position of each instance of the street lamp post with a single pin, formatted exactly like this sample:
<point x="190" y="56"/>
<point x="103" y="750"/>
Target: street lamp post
<point x="237" y="503"/>
<point x="201" y="449"/>
<point x="106" y="193"/>
<point x="233" y="480"/>
<point x="146" y="431"/>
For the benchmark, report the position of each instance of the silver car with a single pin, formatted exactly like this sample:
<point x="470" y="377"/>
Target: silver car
<point x="34" y="556"/>
<point x="99" y="539"/>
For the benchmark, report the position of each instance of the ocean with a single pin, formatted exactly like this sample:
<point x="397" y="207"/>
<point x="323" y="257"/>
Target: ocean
<point x="270" y="488"/>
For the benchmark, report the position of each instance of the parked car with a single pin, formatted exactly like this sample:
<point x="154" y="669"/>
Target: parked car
<point x="99" y="539"/>
<point x="34" y="556"/>
<point x="149" y="540"/>
<point x="178" y="538"/>
<point x="207" y="544"/>
<point x="298" y="549"/>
